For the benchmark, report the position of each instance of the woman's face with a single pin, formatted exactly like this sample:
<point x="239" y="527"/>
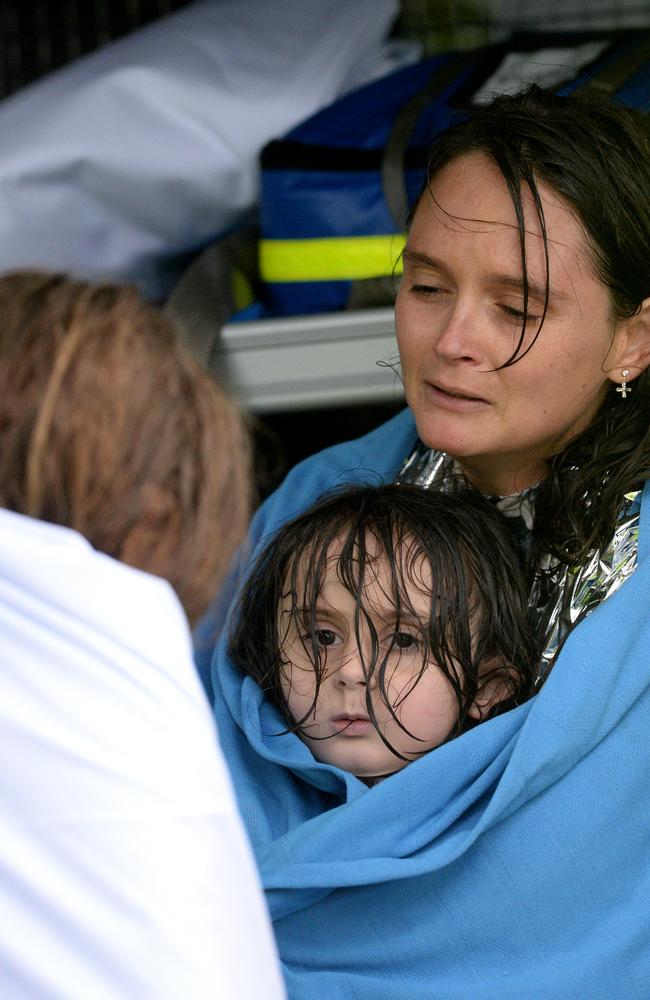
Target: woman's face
<point x="459" y="316"/>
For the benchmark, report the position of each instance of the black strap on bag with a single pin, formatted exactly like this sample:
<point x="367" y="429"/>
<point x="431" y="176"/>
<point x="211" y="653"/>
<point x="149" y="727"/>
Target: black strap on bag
<point x="607" y="80"/>
<point x="380" y="291"/>
<point x="393" y="160"/>
<point x="202" y="300"/>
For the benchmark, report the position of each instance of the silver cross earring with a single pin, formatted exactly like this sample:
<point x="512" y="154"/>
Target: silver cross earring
<point x="624" y="387"/>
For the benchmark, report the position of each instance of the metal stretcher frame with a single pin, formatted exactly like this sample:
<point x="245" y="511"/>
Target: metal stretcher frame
<point x="303" y="362"/>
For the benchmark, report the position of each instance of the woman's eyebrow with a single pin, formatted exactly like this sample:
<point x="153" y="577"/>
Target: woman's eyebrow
<point x="418" y="257"/>
<point x="515" y="282"/>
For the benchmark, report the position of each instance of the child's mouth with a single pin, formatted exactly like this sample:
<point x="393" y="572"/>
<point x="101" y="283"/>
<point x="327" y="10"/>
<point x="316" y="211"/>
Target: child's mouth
<point x="352" y="725"/>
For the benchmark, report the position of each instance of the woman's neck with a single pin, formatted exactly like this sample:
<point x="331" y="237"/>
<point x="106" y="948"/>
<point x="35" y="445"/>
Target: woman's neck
<point x="504" y="480"/>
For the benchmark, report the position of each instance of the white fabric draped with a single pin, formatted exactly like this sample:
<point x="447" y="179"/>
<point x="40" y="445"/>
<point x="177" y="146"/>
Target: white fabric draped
<point x="124" y="161"/>
<point x="124" y="869"/>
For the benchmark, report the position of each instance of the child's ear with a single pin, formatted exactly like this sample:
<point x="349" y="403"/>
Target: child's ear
<point x="497" y="687"/>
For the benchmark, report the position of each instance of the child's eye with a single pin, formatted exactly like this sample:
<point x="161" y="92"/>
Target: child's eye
<point x="325" y="637"/>
<point x="404" y="640"/>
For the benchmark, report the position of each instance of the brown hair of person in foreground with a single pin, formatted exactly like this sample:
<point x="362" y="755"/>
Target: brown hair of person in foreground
<point x="109" y="426"/>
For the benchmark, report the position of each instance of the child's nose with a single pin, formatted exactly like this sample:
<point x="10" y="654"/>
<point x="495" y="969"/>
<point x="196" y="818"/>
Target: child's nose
<point x="351" y="673"/>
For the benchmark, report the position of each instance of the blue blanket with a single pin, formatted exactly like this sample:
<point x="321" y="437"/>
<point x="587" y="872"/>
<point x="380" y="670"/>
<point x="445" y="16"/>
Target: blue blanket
<point x="512" y="863"/>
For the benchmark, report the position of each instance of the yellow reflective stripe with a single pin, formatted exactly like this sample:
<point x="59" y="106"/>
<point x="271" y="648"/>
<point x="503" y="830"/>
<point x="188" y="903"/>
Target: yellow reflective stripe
<point x="339" y="258"/>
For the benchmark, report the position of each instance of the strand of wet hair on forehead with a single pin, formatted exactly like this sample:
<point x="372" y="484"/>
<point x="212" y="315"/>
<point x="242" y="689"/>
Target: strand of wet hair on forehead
<point x="305" y="583"/>
<point x="399" y="554"/>
<point x="514" y="187"/>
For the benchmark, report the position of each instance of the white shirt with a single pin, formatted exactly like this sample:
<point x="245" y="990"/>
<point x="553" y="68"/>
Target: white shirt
<point x="125" y="873"/>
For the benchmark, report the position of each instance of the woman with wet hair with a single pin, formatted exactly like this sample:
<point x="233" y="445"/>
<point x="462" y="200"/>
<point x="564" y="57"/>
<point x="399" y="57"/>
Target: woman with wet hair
<point x="124" y="487"/>
<point x="544" y="404"/>
<point x="506" y="863"/>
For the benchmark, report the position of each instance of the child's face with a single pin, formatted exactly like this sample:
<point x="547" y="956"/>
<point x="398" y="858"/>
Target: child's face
<point x="338" y="729"/>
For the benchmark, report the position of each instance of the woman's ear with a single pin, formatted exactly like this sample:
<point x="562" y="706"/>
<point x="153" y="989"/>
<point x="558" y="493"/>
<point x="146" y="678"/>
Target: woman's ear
<point x="631" y="346"/>
<point x="497" y="687"/>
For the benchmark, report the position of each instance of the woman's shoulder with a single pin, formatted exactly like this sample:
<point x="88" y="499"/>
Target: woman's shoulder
<point x="375" y="457"/>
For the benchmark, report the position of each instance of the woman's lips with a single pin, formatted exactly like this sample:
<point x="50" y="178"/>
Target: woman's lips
<point x="454" y="399"/>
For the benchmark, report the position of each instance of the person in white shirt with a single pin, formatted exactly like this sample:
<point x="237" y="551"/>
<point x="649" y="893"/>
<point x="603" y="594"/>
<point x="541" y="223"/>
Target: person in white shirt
<point x="124" y="488"/>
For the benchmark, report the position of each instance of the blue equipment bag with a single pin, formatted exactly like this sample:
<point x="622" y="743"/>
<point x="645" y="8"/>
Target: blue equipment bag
<point x="337" y="188"/>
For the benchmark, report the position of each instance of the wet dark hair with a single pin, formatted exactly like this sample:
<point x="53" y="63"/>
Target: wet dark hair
<point x="596" y="155"/>
<point x="478" y="626"/>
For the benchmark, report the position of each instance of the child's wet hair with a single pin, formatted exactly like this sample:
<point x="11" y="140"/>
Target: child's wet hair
<point x="478" y="626"/>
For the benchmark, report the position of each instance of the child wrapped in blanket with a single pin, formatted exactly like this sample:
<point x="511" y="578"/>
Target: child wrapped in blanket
<point x="385" y="621"/>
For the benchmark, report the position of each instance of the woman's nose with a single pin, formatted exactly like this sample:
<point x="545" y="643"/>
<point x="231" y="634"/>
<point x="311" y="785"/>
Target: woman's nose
<point x="459" y="339"/>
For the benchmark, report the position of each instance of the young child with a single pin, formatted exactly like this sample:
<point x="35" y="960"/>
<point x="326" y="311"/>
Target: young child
<point x="386" y="620"/>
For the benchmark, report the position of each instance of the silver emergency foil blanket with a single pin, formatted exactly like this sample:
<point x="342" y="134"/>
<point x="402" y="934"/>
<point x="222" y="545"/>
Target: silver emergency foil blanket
<point x="561" y="595"/>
